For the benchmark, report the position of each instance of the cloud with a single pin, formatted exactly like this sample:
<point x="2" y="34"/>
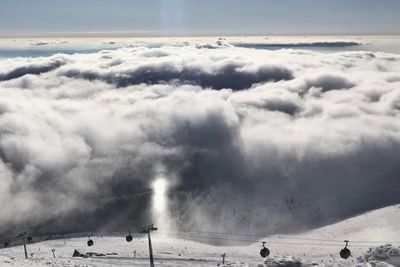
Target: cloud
<point x="37" y="68"/>
<point x="270" y="141"/>
<point x="329" y="82"/>
<point x="148" y="68"/>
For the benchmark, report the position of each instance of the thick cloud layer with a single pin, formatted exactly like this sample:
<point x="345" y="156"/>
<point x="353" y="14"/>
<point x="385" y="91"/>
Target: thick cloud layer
<point x="257" y="140"/>
<point x="156" y="67"/>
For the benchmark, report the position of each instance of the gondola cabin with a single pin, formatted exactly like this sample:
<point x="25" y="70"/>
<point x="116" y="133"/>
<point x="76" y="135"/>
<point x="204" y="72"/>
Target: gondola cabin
<point x="264" y="252"/>
<point x="345" y="253"/>
<point x="90" y="242"/>
<point x="129" y="238"/>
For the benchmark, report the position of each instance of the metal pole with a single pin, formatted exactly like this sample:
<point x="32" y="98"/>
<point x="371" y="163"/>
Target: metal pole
<point x="150" y="250"/>
<point x="147" y="231"/>
<point x="23" y="239"/>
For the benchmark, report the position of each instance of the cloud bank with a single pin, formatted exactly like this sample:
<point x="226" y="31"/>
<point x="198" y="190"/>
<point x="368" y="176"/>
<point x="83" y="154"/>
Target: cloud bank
<point x="330" y="44"/>
<point x="267" y="141"/>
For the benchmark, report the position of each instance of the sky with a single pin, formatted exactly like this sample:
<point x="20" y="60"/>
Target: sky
<point x="194" y="17"/>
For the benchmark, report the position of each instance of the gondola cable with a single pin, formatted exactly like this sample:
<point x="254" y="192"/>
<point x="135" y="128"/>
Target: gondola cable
<point x="255" y="241"/>
<point x="281" y="237"/>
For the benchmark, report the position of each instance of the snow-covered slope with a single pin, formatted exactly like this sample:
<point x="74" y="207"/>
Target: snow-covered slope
<point x="319" y="247"/>
<point x="381" y="224"/>
<point x="370" y="230"/>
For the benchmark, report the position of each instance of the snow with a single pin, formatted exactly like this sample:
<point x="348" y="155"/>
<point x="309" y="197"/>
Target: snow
<point x="386" y="253"/>
<point x="371" y="228"/>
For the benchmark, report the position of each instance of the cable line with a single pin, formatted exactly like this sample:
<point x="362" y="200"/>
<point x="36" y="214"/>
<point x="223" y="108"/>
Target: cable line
<point x="264" y="236"/>
<point x="254" y="241"/>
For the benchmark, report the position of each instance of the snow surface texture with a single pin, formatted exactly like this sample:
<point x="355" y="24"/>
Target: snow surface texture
<point x="249" y="140"/>
<point x="170" y="251"/>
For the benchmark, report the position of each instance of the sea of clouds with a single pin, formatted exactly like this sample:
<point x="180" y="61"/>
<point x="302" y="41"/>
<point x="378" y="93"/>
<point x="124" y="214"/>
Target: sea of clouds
<point x="256" y="140"/>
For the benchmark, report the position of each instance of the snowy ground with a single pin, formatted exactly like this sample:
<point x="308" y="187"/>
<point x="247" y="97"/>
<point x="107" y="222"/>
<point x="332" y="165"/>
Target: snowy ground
<point x="379" y="225"/>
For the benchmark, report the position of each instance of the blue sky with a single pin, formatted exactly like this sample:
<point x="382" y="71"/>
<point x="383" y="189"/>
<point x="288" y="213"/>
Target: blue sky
<point x="201" y="17"/>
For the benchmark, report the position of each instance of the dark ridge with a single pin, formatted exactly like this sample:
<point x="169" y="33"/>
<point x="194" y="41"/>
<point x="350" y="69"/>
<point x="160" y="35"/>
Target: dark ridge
<point x="297" y="45"/>
<point x="31" y="69"/>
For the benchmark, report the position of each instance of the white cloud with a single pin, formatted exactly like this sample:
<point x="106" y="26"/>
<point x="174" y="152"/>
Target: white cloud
<point x="284" y="136"/>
